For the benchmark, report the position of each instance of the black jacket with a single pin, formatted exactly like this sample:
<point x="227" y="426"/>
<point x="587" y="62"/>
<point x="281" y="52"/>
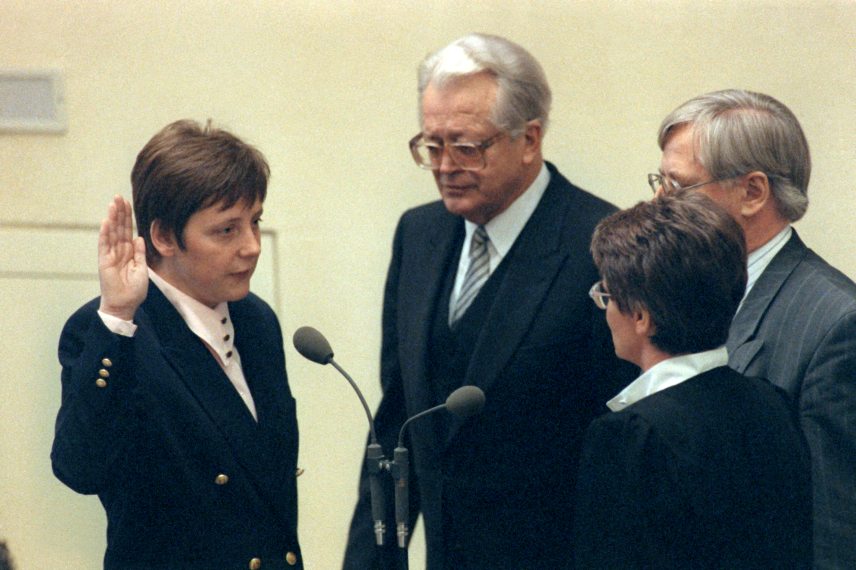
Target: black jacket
<point x="186" y="476"/>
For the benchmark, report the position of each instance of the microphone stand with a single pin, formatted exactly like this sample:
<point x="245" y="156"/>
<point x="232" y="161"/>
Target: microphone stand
<point x="312" y="345"/>
<point x="400" y="467"/>
<point x="375" y="463"/>
<point x="463" y="402"/>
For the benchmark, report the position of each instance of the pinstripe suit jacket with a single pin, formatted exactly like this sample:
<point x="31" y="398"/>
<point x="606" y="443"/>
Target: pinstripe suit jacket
<point x="797" y="328"/>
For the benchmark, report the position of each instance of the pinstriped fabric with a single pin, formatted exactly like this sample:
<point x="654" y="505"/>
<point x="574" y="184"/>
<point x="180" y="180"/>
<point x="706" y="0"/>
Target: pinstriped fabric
<point x="477" y="273"/>
<point x="797" y="328"/>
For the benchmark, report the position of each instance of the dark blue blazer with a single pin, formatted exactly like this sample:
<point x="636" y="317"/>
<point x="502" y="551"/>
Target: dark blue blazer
<point x="187" y="478"/>
<point x="496" y="488"/>
<point x="797" y="328"/>
<point x="712" y="473"/>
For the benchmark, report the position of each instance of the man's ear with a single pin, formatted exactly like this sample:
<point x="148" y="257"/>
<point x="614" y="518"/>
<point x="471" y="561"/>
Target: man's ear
<point x="642" y="322"/>
<point x="532" y="135"/>
<point x="757" y="193"/>
<point x="163" y="241"/>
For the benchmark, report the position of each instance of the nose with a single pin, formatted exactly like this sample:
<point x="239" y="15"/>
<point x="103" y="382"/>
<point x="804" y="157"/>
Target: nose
<point x="251" y="246"/>
<point x="447" y="163"/>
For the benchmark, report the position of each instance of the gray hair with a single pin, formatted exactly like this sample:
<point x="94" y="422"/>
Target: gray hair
<point x="737" y="132"/>
<point x="523" y="93"/>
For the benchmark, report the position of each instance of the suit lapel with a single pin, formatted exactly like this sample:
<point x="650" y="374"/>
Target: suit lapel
<point x="741" y="347"/>
<point x="533" y="263"/>
<point x="424" y="296"/>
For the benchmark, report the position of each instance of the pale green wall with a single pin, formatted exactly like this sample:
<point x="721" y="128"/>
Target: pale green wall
<point x="327" y="91"/>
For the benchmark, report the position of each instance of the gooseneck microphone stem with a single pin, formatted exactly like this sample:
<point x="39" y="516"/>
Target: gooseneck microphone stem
<point x="400" y="468"/>
<point x="375" y="463"/>
<point x="353" y="384"/>
<point x="312" y="345"/>
<point x="417" y="416"/>
<point x="464" y="402"/>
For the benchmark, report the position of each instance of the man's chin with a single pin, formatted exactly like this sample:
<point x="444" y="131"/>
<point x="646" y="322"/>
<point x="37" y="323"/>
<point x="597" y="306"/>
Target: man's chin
<point x="457" y="205"/>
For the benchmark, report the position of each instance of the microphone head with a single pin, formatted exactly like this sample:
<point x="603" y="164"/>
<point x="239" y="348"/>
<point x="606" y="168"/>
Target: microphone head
<point x="466" y="401"/>
<point x="312" y="345"/>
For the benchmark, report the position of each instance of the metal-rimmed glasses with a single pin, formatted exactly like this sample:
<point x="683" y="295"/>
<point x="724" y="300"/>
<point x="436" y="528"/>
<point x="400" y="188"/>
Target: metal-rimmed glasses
<point x="657" y="181"/>
<point x="428" y="154"/>
<point x="599" y="296"/>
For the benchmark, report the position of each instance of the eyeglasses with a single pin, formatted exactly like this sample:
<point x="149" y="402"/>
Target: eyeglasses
<point x="599" y="296"/>
<point x="657" y="181"/>
<point x="467" y="155"/>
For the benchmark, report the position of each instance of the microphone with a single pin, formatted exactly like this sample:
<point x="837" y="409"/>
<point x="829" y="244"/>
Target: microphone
<point x="312" y="345"/>
<point x="464" y="402"/>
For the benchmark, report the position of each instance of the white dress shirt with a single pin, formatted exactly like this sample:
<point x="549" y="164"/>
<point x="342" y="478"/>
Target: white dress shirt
<point x="668" y="373"/>
<point x="759" y="259"/>
<point x="502" y="230"/>
<point x="213" y="326"/>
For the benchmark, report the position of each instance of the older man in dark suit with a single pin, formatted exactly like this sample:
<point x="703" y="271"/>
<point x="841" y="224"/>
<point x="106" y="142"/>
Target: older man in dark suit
<point x="489" y="287"/>
<point x="176" y="409"/>
<point x="797" y="323"/>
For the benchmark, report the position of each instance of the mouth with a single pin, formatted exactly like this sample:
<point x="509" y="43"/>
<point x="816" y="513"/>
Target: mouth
<point x="456" y="183"/>
<point x="457" y="189"/>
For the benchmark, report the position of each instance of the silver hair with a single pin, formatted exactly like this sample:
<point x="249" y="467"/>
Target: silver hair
<point x="523" y="94"/>
<point x="737" y="132"/>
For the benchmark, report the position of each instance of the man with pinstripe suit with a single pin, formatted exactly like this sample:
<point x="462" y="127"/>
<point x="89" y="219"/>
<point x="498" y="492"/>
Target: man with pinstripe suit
<point x="796" y="325"/>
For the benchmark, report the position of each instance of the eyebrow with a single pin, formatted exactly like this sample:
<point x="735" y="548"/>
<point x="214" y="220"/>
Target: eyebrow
<point x="671" y="175"/>
<point x="453" y="137"/>
<point x="255" y="214"/>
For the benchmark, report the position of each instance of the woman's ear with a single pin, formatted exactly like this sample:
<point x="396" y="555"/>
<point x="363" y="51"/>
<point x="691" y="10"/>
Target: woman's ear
<point x="644" y="326"/>
<point x="163" y="241"/>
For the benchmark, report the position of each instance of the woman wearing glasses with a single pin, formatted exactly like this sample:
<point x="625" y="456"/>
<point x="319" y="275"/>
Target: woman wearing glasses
<point x="697" y="466"/>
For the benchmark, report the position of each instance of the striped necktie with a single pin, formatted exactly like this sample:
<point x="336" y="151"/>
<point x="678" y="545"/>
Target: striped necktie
<point x="477" y="273"/>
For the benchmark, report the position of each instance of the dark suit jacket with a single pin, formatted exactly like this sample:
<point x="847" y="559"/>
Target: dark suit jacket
<point x="797" y="328"/>
<point x="186" y="476"/>
<point x="497" y="488"/>
<point x="710" y="473"/>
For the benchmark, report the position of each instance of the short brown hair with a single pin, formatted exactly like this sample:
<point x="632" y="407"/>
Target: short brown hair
<point x="187" y="167"/>
<point x="683" y="259"/>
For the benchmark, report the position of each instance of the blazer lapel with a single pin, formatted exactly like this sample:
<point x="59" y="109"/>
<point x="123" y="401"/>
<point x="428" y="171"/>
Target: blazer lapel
<point x="262" y="369"/>
<point x="203" y="377"/>
<point x="741" y="344"/>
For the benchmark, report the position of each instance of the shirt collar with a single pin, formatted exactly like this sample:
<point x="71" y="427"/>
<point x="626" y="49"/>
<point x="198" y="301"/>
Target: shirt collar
<point x="506" y="226"/>
<point x="668" y="373"/>
<point x="213" y="326"/>
<point x="759" y="259"/>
